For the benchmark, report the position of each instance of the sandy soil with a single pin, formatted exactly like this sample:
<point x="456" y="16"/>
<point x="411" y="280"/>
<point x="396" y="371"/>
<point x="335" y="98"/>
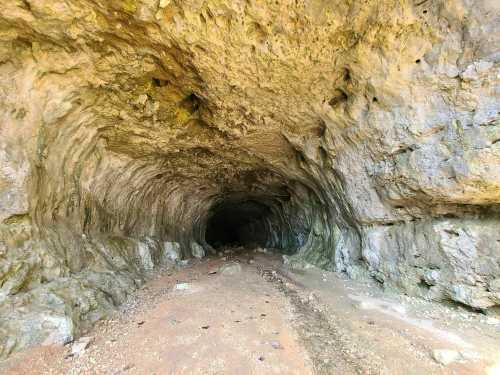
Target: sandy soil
<point x="265" y="319"/>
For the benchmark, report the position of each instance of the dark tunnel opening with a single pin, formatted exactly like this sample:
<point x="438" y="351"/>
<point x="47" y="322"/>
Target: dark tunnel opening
<point x="243" y="223"/>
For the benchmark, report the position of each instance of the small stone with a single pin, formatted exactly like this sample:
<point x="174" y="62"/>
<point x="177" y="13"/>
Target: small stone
<point x="197" y="250"/>
<point x="172" y="251"/>
<point x="492" y="321"/>
<point x="276" y="344"/>
<point x="445" y="356"/>
<point x="181" y="286"/>
<point x="431" y="277"/>
<point x="230" y="269"/>
<point x="311" y="297"/>
<point x="470" y="355"/>
<point x="128" y="367"/>
<point x="79" y="346"/>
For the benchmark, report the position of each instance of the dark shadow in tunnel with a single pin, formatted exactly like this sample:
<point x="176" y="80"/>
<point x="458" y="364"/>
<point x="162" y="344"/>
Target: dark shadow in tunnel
<point x="241" y="223"/>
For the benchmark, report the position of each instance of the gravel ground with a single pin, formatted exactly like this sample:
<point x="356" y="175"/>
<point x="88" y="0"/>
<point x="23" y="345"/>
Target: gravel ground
<point x="244" y="313"/>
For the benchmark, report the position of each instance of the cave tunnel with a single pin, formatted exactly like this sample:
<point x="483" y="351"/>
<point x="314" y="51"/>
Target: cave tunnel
<point x="244" y="223"/>
<point x="274" y="218"/>
<point x="140" y="135"/>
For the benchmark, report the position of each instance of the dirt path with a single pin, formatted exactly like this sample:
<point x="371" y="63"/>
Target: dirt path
<point x="259" y="318"/>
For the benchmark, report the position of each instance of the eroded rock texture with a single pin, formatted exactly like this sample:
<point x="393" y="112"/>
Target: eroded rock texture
<point x="359" y="136"/>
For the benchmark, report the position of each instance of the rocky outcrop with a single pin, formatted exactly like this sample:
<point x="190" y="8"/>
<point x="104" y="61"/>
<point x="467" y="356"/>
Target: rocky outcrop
<point x="364" y="136"/>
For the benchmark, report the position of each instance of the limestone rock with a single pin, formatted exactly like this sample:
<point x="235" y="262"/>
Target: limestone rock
<point x="145" y="256"/>
<point x="472" y="296"/>
<point x="182" y="286"/>
<point x="230" y="269"/>
<point x="445" y="356"/>
<point x="172" y="251"/>
<point x="197" y="250"/>
<point x="494" y="285"/>
<point x="79" y="346"/>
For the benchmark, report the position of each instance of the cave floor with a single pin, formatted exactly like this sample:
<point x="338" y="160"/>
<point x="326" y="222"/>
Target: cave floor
<point x="264" y="319"/>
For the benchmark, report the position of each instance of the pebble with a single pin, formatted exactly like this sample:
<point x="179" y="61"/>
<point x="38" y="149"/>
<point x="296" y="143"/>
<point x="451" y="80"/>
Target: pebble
<point x="79" y="346"/>
<point x="230" y="269"/>
<point x="445" y="356"/>
<point x="470" y="355"/>
<point x="181" y="286"/>
<point x="197" y="250"/>
<point x="276" y="344"/>
<point x="492" y="321"/>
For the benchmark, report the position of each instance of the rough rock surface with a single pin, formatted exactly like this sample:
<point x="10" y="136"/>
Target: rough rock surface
<point x="445" y="356"/>
<point x="365" y="136"/>
<point x="197" y="250"/>
<point x="230" y="269"/>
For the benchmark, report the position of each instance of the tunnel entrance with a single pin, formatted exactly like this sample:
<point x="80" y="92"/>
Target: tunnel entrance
<point x="243" y="223"/>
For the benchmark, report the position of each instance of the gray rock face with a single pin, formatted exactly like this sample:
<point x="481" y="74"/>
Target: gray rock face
<point x="365" y="139"/>
<point x="438" y="259"/>
<point x="172" y="251"/>
<point x="197" y="250"/>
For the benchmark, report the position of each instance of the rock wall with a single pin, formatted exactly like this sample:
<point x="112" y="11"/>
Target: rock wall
<point x="370" y="131"/>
